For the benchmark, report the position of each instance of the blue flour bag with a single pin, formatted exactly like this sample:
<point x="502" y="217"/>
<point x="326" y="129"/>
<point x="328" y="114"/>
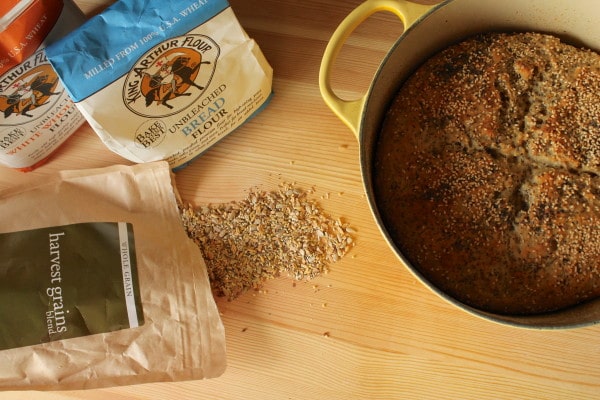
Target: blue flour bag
<point x="163" y="80"/>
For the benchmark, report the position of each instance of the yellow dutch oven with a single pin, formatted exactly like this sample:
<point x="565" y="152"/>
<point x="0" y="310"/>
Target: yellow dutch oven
<point x="427" y="30"/>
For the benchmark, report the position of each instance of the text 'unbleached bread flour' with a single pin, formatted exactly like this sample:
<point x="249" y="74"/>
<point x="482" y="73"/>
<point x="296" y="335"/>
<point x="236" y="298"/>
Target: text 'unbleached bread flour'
<point x="163" y="80"/>
<point x="37" y="115"/>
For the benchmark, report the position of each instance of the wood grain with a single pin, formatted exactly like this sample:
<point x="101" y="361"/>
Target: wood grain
<point x="368" y="329"/>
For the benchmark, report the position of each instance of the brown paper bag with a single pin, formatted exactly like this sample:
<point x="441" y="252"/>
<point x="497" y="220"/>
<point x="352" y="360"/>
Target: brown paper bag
<point x="181" y="337"/>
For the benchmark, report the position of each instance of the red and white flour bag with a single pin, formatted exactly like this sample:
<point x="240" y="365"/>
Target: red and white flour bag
<point x="36" y="113"/>
<point x="163" y="80"/>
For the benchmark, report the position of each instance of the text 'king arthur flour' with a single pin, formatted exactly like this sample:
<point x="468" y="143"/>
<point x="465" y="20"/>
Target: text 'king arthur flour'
<point x="36" y="114"/>
<point x="163" y="80"/>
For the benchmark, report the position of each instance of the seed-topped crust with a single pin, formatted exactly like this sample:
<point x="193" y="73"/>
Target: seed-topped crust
<point x="487" y="172"/>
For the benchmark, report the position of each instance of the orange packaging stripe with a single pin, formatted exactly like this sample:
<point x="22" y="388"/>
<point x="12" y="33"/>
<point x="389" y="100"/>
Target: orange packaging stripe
<point x="6" y="6"/>
<point x="25" y="34"/>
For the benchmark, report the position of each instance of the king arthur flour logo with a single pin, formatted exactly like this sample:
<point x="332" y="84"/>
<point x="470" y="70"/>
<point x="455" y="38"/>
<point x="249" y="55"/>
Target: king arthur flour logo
<point x="28" y="90"/>
<point x="171" y="76"/>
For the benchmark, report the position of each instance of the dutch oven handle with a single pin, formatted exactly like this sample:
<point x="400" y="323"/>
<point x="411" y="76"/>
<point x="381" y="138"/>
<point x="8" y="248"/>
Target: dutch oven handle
<point x="349" y="111"/>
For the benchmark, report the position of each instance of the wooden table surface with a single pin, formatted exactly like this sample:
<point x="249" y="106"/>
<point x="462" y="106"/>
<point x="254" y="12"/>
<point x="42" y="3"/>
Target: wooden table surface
<point x="368" y="329"/>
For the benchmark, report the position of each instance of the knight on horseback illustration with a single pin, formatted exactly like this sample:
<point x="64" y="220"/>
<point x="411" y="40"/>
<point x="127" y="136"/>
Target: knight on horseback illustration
<point x="171" y="77"/>
<point x="27" y="94"/>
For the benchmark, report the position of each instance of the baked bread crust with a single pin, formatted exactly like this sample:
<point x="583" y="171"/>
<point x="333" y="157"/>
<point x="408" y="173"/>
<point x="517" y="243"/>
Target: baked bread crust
<point x="486" y="172"/>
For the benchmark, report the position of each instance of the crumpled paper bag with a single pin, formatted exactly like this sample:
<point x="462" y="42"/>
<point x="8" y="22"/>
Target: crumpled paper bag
<point x="182" y="337"/>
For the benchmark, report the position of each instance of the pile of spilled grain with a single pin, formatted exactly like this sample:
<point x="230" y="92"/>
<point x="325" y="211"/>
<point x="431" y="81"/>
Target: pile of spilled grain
<point x="265" y="235"/>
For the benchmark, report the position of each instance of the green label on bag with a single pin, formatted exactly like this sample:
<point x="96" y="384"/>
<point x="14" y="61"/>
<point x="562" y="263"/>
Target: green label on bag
<point x="67" y="281"/>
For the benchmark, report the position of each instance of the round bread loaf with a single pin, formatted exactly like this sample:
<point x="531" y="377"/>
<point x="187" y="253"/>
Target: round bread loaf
<point x="486" y="172"/>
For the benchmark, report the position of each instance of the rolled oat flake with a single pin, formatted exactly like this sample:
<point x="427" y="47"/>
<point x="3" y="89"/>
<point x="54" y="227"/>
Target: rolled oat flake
<point x="36" y="113"/>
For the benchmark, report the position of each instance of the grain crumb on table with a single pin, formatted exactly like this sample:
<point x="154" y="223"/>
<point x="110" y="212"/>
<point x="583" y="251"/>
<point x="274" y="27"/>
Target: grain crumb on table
<point x="265" y="235"/>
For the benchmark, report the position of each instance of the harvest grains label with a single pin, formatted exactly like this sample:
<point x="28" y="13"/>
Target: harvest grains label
<point x="67" y="281"/>
<point x="182" y="78"/>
